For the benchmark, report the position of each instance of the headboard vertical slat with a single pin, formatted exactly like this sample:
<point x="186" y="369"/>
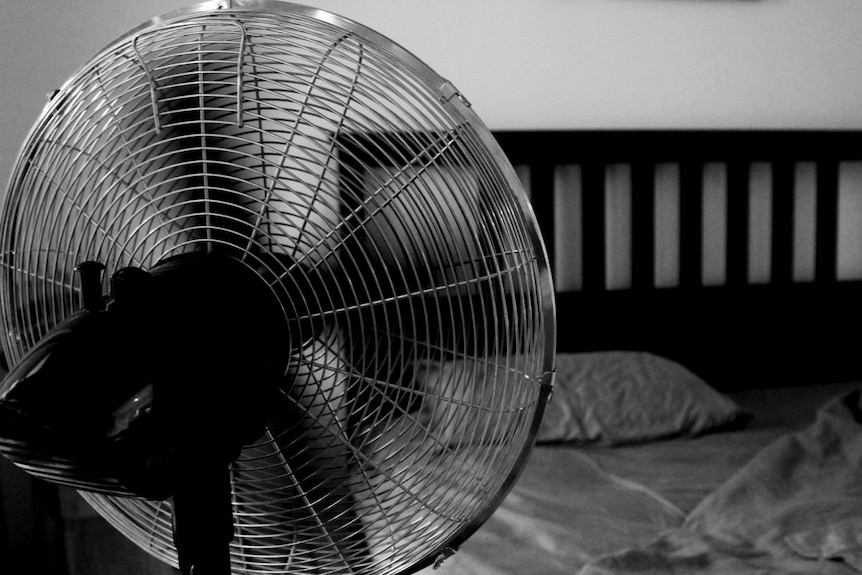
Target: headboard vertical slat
<point x="783" y="186"/>
<point x="542" y="198"/>
<point x="568" y="231"/>
<point x="667" y="221"/>
<point x="593" y="221"/>
<point x="804" y="220"/>
<point x="691" y="224"/>
<point x="760" y="222"/>
<point x="826" y="225"/>
<point x="618" y="226"/>
<point x="849" y="244"/>
<point x="714" y="223"/>
<point x="643" y="225"/>
<point x="737" y="222"/>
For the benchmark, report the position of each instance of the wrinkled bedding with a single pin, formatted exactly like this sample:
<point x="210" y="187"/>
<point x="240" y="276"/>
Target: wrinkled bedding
<point x="782" y="495"/>
<point x="562" y="512"/>
<point x="796" y="507"/>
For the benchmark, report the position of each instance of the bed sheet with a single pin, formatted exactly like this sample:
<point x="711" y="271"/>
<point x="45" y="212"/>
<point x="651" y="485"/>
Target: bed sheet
<point x="684" y="471"/>
<point x="575" y="504"/>
<point x="794" y="509"/>
<point x="563" y="511"/>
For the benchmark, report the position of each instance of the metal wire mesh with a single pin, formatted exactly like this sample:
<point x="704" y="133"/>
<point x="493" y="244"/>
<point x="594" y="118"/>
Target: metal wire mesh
<point x="363" y="190"/>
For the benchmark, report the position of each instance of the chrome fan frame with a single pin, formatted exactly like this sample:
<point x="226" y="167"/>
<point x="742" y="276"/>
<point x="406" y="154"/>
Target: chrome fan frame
<point x="448" y="258"/>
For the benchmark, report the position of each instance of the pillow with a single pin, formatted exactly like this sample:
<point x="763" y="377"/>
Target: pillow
<point x="623" y="397"/>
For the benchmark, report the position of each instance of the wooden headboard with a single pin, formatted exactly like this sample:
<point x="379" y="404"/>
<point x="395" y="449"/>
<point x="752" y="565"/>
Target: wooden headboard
<point x="737" y="253"/>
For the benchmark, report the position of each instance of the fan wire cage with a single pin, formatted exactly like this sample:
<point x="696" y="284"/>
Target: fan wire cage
<point x="363" y="194"/>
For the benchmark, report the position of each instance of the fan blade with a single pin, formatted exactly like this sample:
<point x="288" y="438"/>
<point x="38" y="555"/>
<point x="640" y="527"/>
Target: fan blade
<point x="314" y="447"/>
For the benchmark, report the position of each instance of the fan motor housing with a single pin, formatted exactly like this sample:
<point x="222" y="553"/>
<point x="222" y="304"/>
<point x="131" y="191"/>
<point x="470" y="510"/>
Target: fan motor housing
<point x="163" y="371"/>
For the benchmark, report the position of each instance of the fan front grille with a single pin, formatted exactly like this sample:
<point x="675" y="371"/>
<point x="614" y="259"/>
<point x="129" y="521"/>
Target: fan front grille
<point x="375" y="206"/>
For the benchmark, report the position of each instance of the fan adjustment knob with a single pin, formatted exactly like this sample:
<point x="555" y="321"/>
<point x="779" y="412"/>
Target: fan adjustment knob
<point x="92" y="298"/>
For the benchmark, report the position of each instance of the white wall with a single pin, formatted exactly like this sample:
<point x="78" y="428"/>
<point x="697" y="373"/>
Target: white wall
<point x="533" y="63"/>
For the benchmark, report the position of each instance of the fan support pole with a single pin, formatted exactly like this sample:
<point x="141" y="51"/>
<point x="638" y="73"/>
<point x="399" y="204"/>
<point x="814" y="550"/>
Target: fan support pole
<point x="202" y="517"/>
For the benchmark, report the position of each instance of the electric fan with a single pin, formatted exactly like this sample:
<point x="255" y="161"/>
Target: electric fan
<point x="273" y="298"/>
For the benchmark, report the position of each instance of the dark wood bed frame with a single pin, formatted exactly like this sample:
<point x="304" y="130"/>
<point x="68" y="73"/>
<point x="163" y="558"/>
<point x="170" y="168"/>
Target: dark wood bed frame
<point x="734" y="335"/>
<point x="738" y="334"/>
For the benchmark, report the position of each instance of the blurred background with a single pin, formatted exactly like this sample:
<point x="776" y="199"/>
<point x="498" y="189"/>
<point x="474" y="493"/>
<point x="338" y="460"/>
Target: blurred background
<point x="523" y="64"/>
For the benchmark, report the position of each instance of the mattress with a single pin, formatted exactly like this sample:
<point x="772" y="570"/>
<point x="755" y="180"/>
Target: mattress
<point x="678" y="504"/>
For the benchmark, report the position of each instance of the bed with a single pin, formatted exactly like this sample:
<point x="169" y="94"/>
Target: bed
<point x="707" y="415"/>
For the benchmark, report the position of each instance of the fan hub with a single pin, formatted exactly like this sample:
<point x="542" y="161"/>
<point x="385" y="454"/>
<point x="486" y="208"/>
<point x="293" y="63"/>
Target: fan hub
<point x="213" y="368"/>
